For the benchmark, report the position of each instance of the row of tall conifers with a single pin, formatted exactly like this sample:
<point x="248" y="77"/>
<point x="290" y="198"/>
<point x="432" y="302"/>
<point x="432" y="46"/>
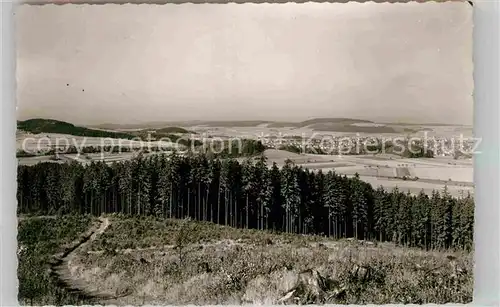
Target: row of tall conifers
<point x="248" y="194"/>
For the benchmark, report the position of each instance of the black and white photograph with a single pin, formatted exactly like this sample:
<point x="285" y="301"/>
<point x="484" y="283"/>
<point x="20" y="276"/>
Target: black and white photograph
<point x="235" y="154"/>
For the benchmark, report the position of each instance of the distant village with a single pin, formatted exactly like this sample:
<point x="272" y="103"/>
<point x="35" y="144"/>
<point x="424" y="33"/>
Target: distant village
<point x="345" y="144"/>
<point x="321" y="144"/>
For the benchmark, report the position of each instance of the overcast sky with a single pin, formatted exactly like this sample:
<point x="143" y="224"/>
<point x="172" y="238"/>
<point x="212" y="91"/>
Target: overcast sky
<point x="135" y="63"/>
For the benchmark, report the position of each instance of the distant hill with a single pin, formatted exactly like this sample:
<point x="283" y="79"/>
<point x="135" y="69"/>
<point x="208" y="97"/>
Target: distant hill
<point x="421" y="124"/>
<point x="233" y="123"/>
<point x="173" y="130"/>
<point x="314" y="123"/>
<point x="41" y="125"/>
<point x="319" y="121"/>
<point x="335" y="124"/>
<point x="237" y="123"/>
<point x="343" y="121"/>
<point x="283" y="125"/>
<point x="349" y="128"/>
<point x="140" y="126"/>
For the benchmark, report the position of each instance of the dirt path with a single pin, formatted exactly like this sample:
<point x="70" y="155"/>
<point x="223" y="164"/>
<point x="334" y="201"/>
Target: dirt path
<point x="61" y="269"/>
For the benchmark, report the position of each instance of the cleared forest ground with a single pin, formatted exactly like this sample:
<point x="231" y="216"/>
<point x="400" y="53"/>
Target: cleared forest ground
<point x="157" y="261"/>
<point x="42" y="239"/>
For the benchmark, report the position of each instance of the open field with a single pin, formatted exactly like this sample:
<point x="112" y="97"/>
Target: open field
<point x="388" y="170"/>
<point x="84" y="159"/>
<point x="414" y="187"/>
<point x="44" y="141"/>
<point x="155" y="261"/>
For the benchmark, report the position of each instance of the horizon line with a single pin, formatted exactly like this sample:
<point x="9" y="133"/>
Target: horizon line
<point x="263" y="121"/>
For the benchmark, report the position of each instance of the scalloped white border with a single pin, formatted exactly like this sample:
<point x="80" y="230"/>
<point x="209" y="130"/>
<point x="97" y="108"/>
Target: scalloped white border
<point x="486" y="165"/>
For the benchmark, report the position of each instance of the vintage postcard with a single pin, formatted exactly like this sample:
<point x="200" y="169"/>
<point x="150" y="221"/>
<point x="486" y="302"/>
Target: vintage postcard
<point x="316" y="153"/>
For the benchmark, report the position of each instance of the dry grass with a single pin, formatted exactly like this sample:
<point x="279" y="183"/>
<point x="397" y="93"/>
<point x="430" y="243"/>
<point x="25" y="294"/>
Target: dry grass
<point x="221" y="265"/>
<point x="145" y="232"/>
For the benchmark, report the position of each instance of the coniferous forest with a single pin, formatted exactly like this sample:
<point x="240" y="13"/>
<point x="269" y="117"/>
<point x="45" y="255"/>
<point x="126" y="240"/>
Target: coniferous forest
<point x="248" y="194"/>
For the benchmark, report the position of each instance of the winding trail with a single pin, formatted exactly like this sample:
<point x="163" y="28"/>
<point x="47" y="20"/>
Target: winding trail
<point x="60" y="267"/>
